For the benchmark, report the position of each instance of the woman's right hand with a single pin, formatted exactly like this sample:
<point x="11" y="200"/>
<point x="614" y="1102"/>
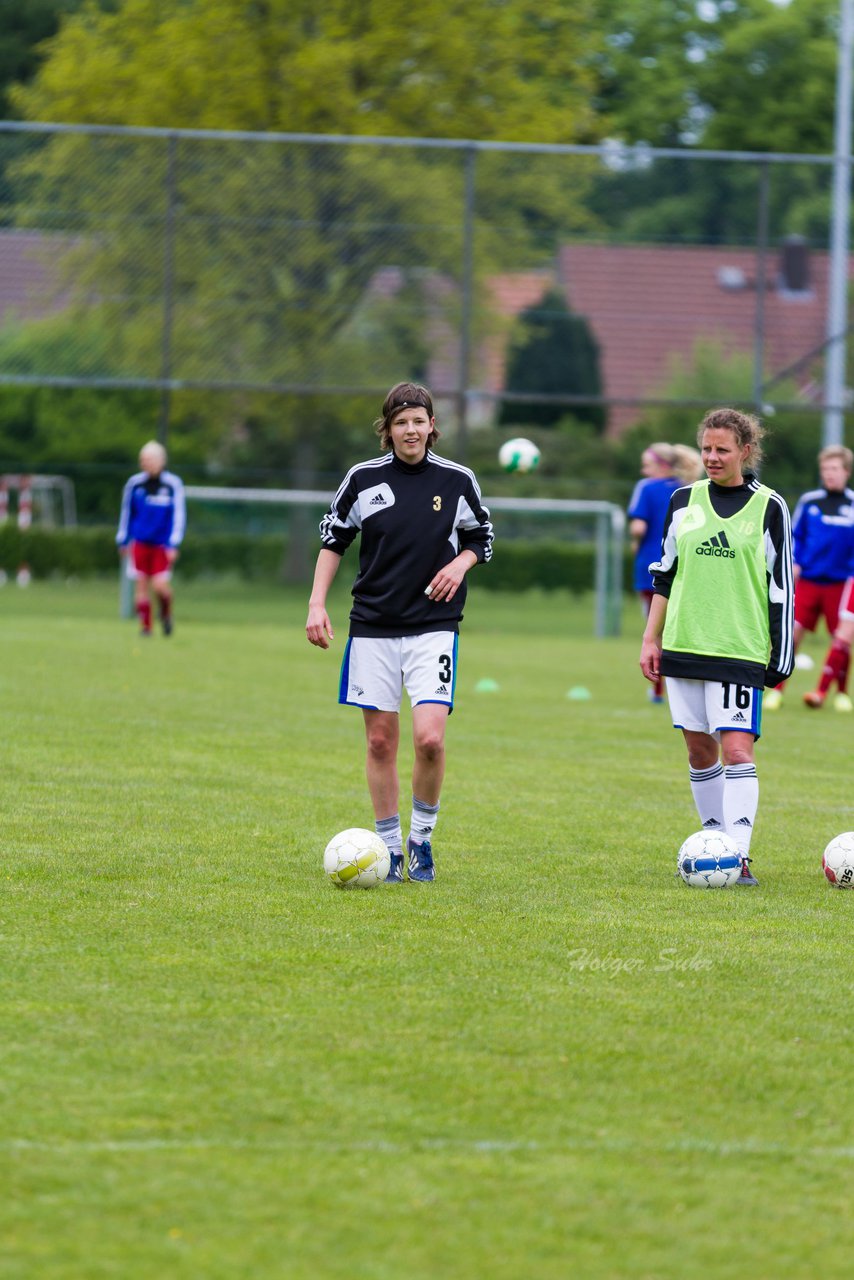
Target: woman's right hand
<point x="318" y="626"/>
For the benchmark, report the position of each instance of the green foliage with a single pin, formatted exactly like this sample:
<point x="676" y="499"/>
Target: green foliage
<point x="716" y="376"/>
<point x="380" y="67"/>
<point x="722" y="76"/>
<point x="275" y="249"/>
<point x="553" y="352"/>
<point x="550" y="564"/>
<point x="747" y="83"/>
<point x="92" y="436"/>
<point x="23" y="28"/>
<point x="676" y="73"/>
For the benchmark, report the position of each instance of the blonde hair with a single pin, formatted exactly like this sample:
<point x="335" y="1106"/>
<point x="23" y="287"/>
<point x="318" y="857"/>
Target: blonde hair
<point x="688" y="465"/>
<point x="153" y="449"/>
<point x="840" y="451"/>
<point x="685" y="462"/>
<point x="747" y="429"/>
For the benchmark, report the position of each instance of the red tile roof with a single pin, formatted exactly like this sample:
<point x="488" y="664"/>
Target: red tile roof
<point x="646" y="305"/>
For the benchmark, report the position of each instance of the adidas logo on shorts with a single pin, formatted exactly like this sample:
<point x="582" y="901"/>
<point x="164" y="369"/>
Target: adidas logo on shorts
<point x="739" y="718"/>
<point x="716" y="546"/>
<point x="442" y="689"/>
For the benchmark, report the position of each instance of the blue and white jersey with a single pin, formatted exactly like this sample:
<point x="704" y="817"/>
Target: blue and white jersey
<point x="153" y="510"/>
<point x="649" y="502"/>
<point x="823" y="533"/>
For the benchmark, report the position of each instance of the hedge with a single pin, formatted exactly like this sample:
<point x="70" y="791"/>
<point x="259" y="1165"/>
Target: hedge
<point x="548" y="564"/>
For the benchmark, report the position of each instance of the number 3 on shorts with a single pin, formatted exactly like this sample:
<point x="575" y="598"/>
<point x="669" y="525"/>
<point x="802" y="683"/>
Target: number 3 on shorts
<point x="445" y="668"/>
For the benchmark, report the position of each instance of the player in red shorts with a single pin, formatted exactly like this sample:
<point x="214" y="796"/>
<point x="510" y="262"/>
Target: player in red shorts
<point x="151" y="528"/>
<point x="837" y="661"/>
<point x="823" y="534"/>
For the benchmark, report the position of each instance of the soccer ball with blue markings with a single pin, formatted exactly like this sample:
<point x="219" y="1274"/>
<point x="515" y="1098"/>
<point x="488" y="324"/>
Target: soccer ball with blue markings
<point x="356" y="859"/>
<point x="838" y="861"/>
<point x="709" y="860"/>
<point x="519" y="455"/>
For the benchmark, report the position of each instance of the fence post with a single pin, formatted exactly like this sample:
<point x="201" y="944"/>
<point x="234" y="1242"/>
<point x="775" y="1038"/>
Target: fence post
<point x="467" y="305"/>
<point x="168" y="290"/>
<point x="761" y="262"/>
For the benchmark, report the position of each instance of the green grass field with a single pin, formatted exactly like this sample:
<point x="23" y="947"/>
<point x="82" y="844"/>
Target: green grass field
<point x="556" y="1061"/>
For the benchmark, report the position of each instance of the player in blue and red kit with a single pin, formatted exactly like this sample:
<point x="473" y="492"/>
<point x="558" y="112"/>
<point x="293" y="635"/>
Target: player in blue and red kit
<point x="823" y="535"/>
<point x="151" y="529"/>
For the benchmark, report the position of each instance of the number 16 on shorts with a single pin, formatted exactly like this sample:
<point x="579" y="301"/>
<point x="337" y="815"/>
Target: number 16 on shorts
<point x="713" y="706"/>
<point x="375" y="671"/>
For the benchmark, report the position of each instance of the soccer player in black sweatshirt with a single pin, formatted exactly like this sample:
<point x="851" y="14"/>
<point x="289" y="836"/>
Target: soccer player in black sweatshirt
<point x="422" y="526"/>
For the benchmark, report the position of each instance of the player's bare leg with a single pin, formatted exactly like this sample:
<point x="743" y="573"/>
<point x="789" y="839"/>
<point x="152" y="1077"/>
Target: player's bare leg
<point x="142" y="604"/>
<point x="163" y="591"/>
<point x="382" y="732"/>
<point x="429" y="721"/>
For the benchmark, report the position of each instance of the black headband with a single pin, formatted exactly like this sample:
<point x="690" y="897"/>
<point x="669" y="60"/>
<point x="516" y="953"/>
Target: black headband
<point x="406" y="404"/>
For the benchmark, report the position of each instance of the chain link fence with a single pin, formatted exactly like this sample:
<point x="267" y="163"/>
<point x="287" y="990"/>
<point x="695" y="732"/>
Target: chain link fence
<point x="321" y="266"/>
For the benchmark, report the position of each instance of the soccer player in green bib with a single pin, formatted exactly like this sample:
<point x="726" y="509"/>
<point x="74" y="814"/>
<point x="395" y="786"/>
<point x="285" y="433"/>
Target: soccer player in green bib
<point x="721" y="621"/>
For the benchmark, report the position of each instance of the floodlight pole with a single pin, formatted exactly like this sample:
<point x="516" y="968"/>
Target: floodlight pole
<point x="833" y="429"/>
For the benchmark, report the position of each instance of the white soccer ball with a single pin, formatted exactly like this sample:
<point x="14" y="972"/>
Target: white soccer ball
<point x="356" y="859"/>
<point x="519" y="455"/>
<point x="838" y="861"/>
<point x="709" y="860"/>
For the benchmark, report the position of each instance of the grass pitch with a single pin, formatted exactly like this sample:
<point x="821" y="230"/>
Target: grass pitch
<point x="555" y="1061"/>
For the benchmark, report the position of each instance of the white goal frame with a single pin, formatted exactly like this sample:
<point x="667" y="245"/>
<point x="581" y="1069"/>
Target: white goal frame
<point x="609" y="520"/>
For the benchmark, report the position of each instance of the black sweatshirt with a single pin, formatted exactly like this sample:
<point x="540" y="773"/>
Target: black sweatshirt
<point x="413" y="520"/>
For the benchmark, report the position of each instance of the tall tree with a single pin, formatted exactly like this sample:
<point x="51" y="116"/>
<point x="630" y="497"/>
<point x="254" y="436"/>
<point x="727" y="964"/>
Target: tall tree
<point x="734" y="74"/>
<point x="731" y="75"/>
<point x="23" y="29"/>
<point x="553" y="353"/>
<point x="292" y="236"/>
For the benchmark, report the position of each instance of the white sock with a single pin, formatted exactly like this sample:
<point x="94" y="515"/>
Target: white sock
<point x="741" y="800"/>
<point x="707" y="788"/>
<point x="424" y="819"/>
<point x="390" y="831"/>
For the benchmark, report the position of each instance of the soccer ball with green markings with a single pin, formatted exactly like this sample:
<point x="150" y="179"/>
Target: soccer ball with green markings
<point x="356" y="859"/>
<point x="709" y="860"/>
<point x="519" y="455"/>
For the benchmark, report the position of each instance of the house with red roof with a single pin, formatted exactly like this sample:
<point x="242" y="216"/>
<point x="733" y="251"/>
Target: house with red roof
<point x="648" y="305"/>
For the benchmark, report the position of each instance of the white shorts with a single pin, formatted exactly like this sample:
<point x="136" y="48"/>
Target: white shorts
<point x="711" y="706"/>
<point x="374" y="672"/>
